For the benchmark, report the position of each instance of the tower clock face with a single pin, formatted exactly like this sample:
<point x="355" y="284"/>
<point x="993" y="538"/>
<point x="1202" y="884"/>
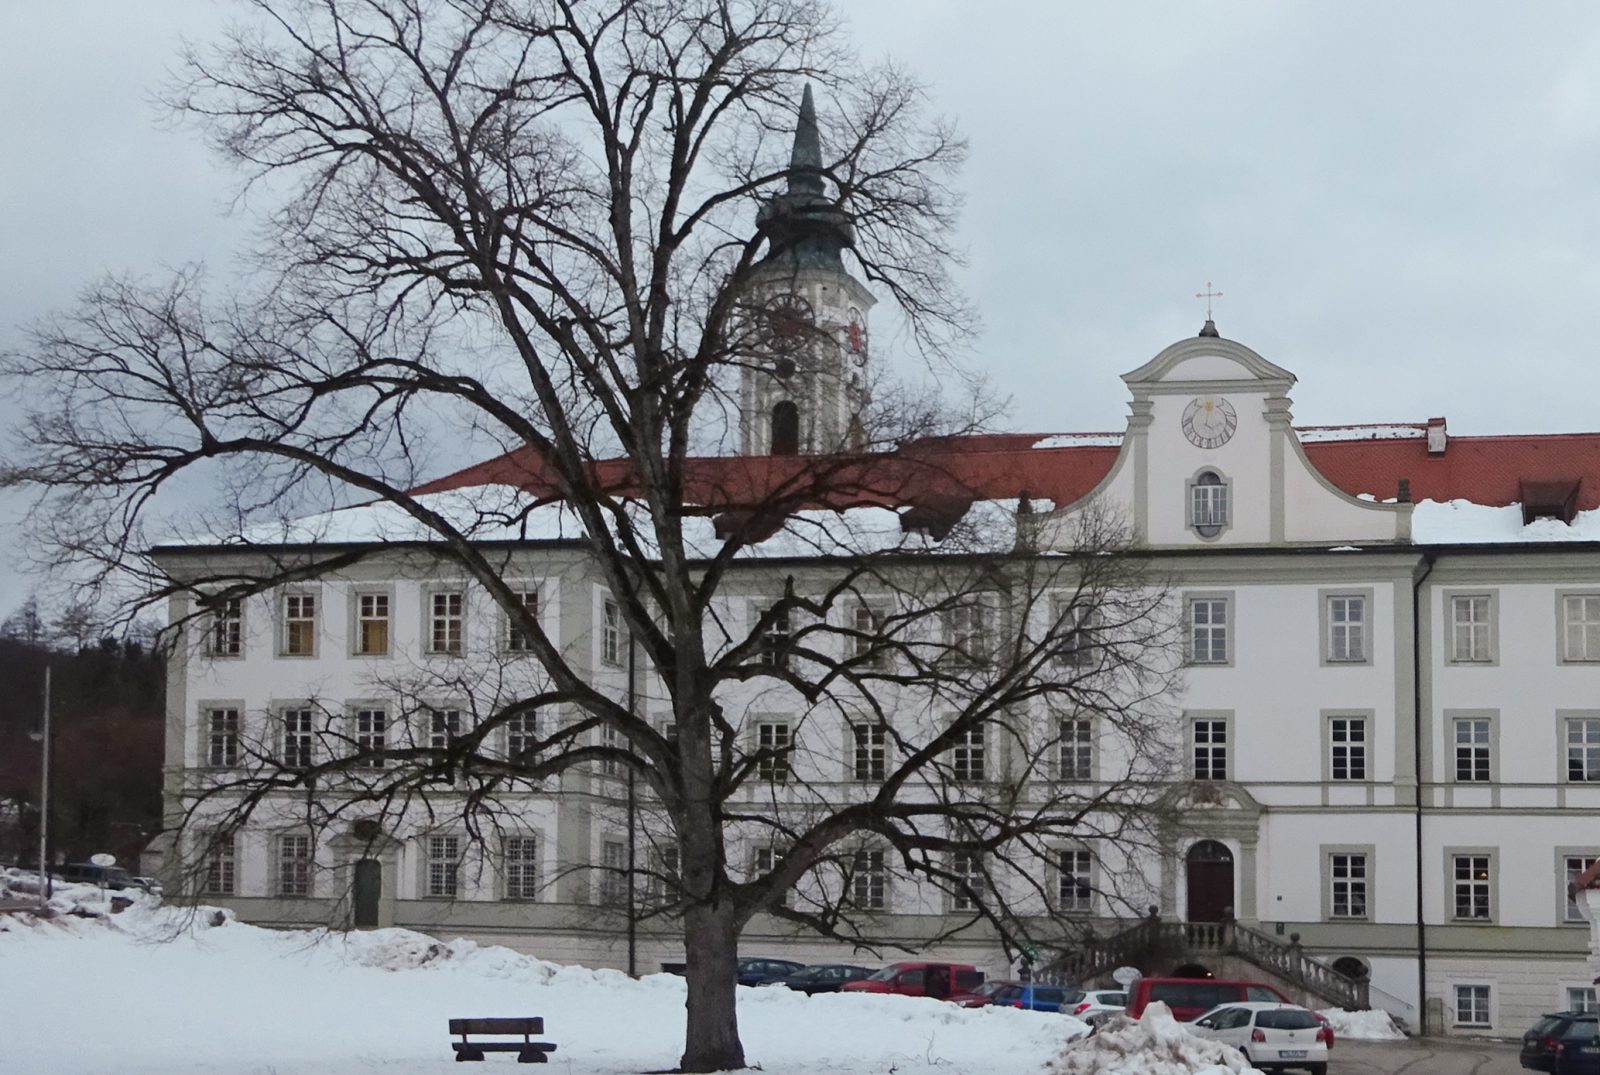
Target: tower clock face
<point x="1209" y="421"/>
<point x="784" y="322"/>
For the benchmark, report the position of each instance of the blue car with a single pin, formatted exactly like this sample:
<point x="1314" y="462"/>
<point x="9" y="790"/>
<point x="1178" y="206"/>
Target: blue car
<point x="1035" y="998"/>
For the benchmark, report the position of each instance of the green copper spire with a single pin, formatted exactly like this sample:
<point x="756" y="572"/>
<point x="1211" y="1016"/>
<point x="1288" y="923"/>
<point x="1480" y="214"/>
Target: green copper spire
<point x="805" y="162"/>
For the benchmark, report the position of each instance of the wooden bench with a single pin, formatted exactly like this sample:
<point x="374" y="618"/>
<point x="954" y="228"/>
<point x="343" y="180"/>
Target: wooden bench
<point x="528" y="1051"/>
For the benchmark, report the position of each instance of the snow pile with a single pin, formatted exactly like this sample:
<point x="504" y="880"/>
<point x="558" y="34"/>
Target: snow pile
<point x="1362" y="1026"/>
<point x="1155" y="1045"/>
<point x="178" y="991"/>
<point x="1463" y="522"/>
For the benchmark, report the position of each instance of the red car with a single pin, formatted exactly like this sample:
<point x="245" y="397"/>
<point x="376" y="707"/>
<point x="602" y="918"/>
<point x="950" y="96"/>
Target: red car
<point x="919" y="979"/>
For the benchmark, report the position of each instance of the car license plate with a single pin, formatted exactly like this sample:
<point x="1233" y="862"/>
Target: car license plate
<point x="1291" y="1054"/>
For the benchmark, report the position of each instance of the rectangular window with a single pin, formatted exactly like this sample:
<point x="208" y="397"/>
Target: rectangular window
<point x="1208" y="630"/>
<point x="220" y="874"/>
<point x="775" y="639"/>
<point x="611" y="739"/>
<point x="222" y="738"/>
<point x="1580" y="998"/>
<point x="613" y="873"/>
<point x="1583" y="749"/>
<point x="520" y="867"/>
<point x="1210" y="749"/>
<point x="666" y="878"/>
<point x="869" y="881"/>
<point x="871" y="751"/>
<point x="295" y="743"/>
<point x="1347" y="880"/>
<point x="446" y="610"/>
<point x="967" y="633"/>
<point x="1472" y="1005"/>
<point x="1076" y="749"/>
<point x="1470" y="628"/>
<point x="1208" y="506"/>
<point x="1347" y="748"/>
<point x="763" y="862"/>
<point x="443" y="727"/>
<point x="294" y="865"/>
<point x="371" y="736"/>
<point x="1472" y="750"/>
<point x="1575" y="865"/>
<point x="299" y="624"/>
<point x="611" y="632"/>
<point x="1347" y="628"/>
<point x="774" y="744"/>
<point x="867" y="643"/>
<point x="522" y="733"/>
<point x="1581" y="626"/>
<point x="967" y="880"/>
<point x="967" y="757"/>
<point x="1075" y="626"/>
<point x="517" y="639"/>
<point x="372" y="624"/>
<point x="1470" y="887"/>
<point x="444" y="862"/>
<point x="1075" y="880"/>
<point x="226" y="635"/>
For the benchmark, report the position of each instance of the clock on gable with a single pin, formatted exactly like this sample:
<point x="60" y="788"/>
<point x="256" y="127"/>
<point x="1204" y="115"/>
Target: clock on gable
<point x="1209" y="421"/>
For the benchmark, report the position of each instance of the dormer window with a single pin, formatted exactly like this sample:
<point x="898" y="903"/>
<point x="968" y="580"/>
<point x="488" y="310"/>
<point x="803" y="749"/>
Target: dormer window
<point x="1208" y="504"/>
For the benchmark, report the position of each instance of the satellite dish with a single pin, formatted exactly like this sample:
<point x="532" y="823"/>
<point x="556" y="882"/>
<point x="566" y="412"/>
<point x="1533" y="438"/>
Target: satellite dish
<point x="1126" y="976"/>
<point x="103" y="859"/>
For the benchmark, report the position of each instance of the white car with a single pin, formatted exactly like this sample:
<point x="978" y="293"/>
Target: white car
<point x="1272" y="1037"/>
<point x="1097" y="1005"/>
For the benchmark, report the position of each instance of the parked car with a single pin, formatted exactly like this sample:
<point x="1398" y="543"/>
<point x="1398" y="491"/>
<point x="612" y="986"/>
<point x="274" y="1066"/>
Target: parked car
<point x="1563" y="1042"/>
<point x="919" y="979"/>
<point x="1033" y="997"/>
<point x="1271" y="1036"/>
<point x="1097" y="1005"/>
<point x="981" y="995"/>
<point x="824" y="977"/>
<point x="86" y="873"/>
<point x="1188" y="997"/>
<point x="766" y="971"/>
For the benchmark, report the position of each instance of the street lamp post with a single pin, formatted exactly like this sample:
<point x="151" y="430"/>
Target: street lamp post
<point x="43" y="736"/>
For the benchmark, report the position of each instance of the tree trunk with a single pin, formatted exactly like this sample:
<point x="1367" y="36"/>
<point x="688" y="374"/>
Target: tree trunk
<point x="711" y="945"/>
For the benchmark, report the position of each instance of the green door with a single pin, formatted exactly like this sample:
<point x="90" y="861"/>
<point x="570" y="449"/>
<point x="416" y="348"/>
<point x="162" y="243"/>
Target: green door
<point x="368" y="890"/>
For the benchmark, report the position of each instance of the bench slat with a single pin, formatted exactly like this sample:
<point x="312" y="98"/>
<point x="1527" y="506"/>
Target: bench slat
<point x="503" y="1046"/>
<point x="532" y="1024"/>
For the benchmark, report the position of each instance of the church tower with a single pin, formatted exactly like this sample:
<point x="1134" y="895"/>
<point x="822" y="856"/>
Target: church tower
<point x="806" y="388"/>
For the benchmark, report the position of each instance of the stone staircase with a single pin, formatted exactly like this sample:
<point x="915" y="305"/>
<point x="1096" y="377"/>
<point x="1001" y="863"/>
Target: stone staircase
<point x="1153" y="946"/>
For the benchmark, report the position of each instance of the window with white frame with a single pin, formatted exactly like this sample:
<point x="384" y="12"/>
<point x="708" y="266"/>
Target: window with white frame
<point x="1471" y="886"/>
<point x="1580" y="998"/>
<point x="774" y="743"/>
<point x="446" y="613"/>
<point x="371" y="735"/>
<point x="611" y="739"/>
<point x="1347" y="884"/>
<point x="519" y="866"/>
<point x="871" y="758"/>
<point x="1347" y="628"/>
<point x="444" y="725"/>
<point x="968" y="883"/>
<point x="1472" y="1005"/>
<point x="1583" y="749"/>
<point x="1208" y="630"/>
<point x="611" y="632"/>
<point x="1075" y="880"/>
<point x="1473" y="749"/>
<point x="1347" y="748"/>
<point x="1208" y="504"/>
<point x="222" y="737"/>
<point x="295" y="737"/>
<point x="1075" y="749"/>
<point x="220" y="874"/>
<point x="867" y="644"/>
<point x="1580" y="615"/>
<point x="967" y="635"/>
<point x="443" y="866"/>
<point x="522" y="733"/>
<point x="666" y="874"/>
<point x="869" y="881"/>
<point x="519" y="640"/>
<point x="762" y="862"/>
<point x="1470" y="627"/>
<point x="967" y="756"/>
<point x="299" y="625"/>
<point x="1209" y="736"/>
<point x="225" y="636"/>
<point x="1574" y="865"/>
<point x="1075" y="624"/>
<point x="613" y="873"/>
<point x="372" y="624"/>
<point x="294" y="865"/>
<point x="776" y="635"/>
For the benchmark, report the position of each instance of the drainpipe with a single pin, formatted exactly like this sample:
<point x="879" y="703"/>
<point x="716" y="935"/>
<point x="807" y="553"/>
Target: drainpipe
<point x="1417" y="748"/>
<point x="633" y="829"/>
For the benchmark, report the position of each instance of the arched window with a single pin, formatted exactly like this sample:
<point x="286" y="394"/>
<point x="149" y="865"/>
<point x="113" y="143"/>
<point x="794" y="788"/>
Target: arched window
<point x="1208" y="504"/>
<point x="785" y="428"/>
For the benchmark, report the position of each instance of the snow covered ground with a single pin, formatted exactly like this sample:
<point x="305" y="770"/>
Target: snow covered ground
<point x="163" y="990"/>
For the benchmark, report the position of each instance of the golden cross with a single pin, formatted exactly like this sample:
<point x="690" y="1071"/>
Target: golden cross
<point x="1208" y="295"/>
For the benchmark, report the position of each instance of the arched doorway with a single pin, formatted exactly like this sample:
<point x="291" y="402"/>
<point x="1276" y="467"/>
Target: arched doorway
<point x="785" y="428"/>
<point x="1208" y="869"/>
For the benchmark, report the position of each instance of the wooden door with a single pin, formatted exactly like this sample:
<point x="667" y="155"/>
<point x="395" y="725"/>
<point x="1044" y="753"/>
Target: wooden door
<point x="1209" y="870"/>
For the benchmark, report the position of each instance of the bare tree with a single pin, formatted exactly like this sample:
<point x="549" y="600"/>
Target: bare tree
<point x="528" y="222"/>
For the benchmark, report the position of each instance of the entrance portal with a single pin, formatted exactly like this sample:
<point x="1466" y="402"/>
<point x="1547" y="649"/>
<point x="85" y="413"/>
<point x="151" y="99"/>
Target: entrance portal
<point x="368" y="891"/>
<point x="1209" y="869"/>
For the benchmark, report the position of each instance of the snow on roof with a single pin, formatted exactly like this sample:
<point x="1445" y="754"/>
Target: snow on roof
<point x="1461" y="522"/>
<point x="1378" y="431"/>
<point x="1079" y="440"/>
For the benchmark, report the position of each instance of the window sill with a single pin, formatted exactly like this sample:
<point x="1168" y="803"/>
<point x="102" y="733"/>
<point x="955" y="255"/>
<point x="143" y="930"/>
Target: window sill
<point x="1472" y="921"/>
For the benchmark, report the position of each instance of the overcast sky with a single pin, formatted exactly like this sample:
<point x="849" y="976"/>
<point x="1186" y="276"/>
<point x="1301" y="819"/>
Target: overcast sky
<point x="1398" y="201"/>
